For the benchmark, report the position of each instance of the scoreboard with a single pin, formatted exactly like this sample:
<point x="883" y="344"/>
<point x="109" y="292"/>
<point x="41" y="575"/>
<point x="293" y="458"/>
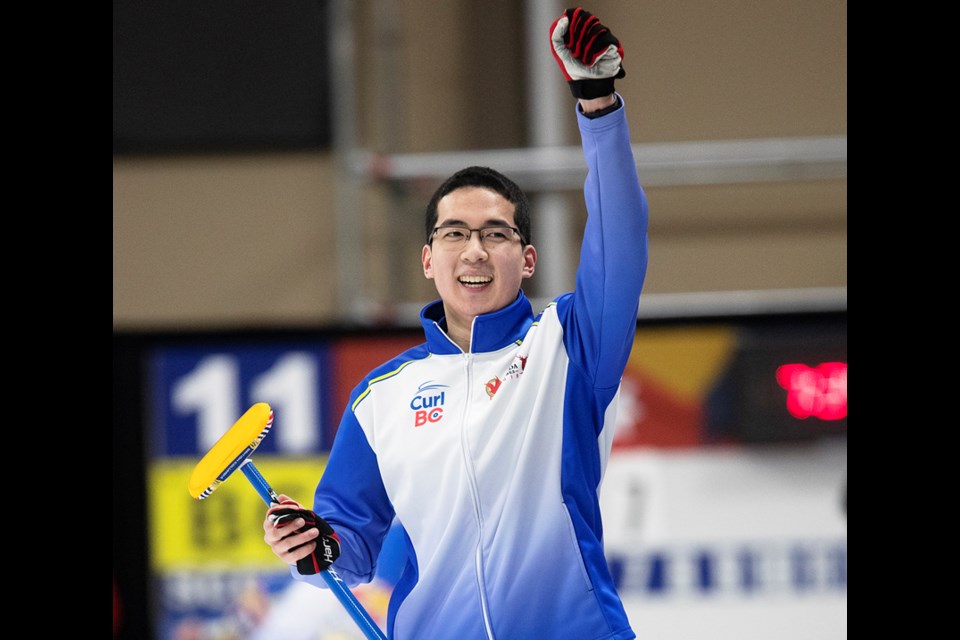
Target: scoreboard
<point x="785" y="382"/>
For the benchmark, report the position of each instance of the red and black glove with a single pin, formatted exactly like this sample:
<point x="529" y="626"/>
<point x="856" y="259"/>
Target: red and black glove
<point x="588" y="53"/>
<point x="328" y="542"/>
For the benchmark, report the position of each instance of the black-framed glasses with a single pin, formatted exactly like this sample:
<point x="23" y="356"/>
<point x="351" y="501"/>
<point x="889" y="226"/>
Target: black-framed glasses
<point x="457" y="235"/>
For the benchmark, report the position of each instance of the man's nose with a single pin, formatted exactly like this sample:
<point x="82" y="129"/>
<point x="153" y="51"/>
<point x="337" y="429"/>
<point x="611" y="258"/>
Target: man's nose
<point x="474" y="244"/>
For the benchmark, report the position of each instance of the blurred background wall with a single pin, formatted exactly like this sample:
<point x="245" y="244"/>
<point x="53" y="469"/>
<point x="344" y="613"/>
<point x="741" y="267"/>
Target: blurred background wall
<point x="299" y="221"/>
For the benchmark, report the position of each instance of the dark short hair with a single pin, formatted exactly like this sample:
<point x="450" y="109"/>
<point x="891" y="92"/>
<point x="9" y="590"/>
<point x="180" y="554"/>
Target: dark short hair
<point x="486" y="178"/>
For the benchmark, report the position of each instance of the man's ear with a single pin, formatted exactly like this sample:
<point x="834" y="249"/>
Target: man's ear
<point x="529" y="260"/>
<point x="426" y="258"/>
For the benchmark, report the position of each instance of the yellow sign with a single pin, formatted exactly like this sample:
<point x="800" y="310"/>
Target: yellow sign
<point x="687" y="360"/>
<point x="225" y="530"/>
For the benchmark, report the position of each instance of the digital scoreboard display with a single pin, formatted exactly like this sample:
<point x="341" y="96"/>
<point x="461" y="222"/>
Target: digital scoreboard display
<point x="783" y="383"/>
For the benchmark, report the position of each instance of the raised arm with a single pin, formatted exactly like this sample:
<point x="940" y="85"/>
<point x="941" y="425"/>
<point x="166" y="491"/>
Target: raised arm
<point x="601" y="315"/>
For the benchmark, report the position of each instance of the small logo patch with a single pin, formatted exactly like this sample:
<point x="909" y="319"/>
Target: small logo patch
<point x="516" y="367"/>
<point x="492" y="386"/>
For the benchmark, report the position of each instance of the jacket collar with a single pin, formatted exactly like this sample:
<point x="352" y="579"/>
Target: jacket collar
<point x="490" y="332"/>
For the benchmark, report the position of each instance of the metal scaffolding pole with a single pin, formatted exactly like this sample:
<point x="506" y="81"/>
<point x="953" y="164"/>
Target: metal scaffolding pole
<point x="342" y="56"/>
<point x="661" y="164"/>
<point x="547" y="120"/>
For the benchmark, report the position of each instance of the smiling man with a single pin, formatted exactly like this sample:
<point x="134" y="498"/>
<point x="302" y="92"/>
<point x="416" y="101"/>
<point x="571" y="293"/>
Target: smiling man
<point x="474" y="254"/>
<point x="487" y="443"/>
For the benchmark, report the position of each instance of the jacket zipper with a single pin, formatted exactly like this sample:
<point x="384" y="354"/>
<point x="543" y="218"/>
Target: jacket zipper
<point x="471" y="477"/>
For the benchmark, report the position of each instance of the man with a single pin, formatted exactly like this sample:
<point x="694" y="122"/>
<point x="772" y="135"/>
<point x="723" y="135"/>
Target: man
<point x="488" y="442"/>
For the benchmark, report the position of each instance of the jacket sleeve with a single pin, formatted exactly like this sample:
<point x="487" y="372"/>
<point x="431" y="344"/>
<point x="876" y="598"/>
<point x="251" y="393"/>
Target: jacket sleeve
<point x="601" y="315"/>
<point x="351" y="498"/>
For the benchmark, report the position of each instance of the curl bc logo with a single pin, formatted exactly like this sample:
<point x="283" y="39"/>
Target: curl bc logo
<point x="428" y="407"/>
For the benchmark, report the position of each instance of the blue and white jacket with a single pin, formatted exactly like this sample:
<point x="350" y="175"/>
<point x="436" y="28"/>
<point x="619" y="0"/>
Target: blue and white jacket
<point x="492" y="460"/>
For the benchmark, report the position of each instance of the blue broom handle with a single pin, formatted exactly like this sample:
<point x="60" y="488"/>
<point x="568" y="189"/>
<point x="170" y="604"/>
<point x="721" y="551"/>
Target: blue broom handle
<point x="338" y="586"/>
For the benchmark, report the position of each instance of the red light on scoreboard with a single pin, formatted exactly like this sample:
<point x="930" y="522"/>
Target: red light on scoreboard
<point x="819" y="391"/>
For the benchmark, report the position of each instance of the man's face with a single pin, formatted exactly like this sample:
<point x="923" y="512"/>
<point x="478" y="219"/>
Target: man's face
<point x="473" y="278"/>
